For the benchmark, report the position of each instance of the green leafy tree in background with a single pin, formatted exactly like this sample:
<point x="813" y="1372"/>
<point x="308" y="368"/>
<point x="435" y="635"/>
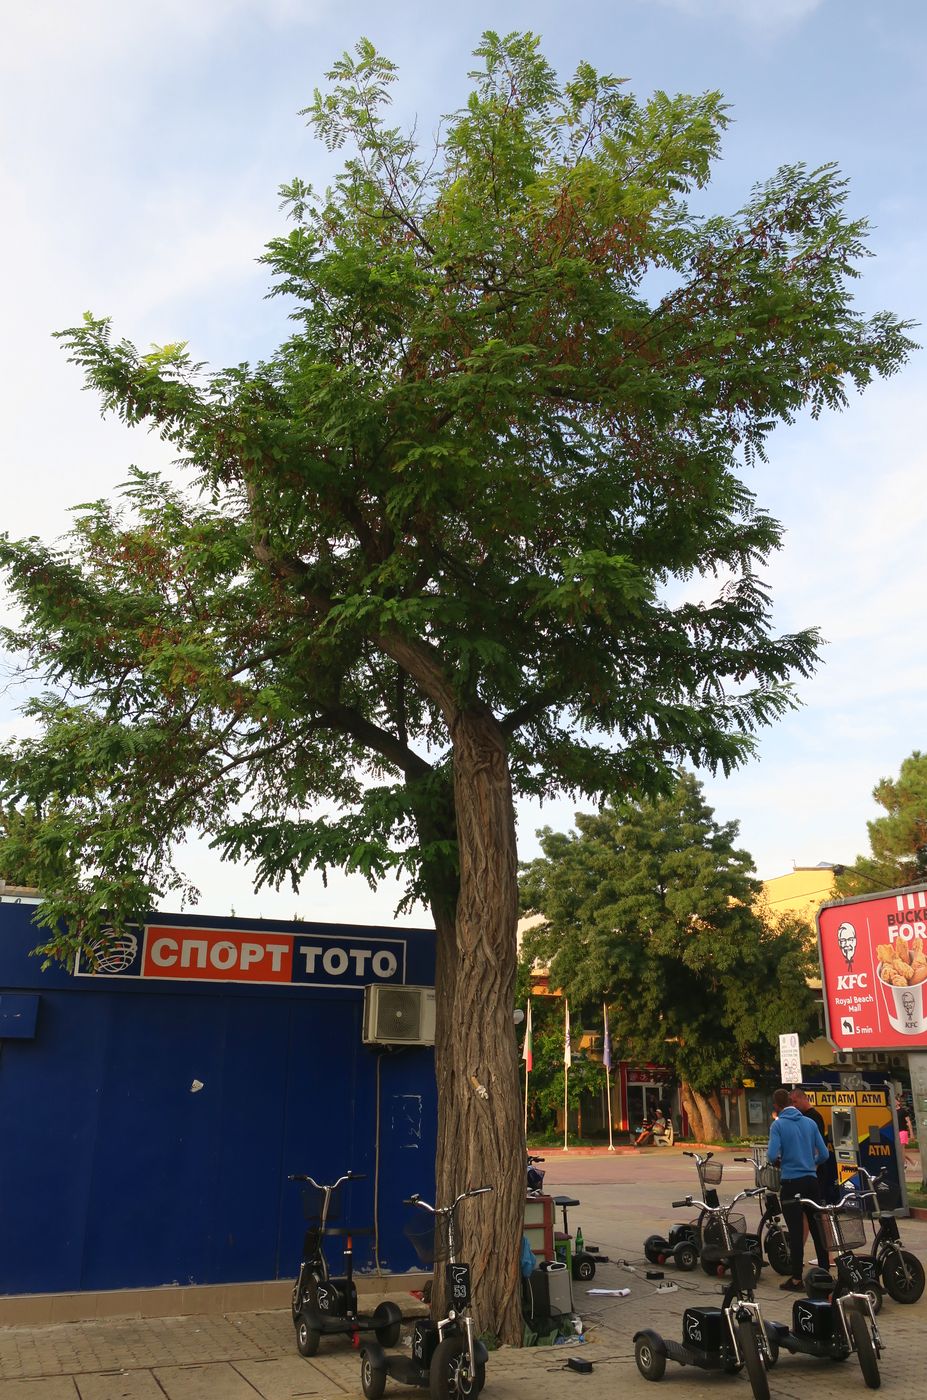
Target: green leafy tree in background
<point x="425" y="563"/>
<point x="897" y="841"/>
<point x="650" y="906"/>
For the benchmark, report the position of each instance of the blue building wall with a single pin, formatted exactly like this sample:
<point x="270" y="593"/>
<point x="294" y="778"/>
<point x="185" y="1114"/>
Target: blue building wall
<point x="116" y="1173"/>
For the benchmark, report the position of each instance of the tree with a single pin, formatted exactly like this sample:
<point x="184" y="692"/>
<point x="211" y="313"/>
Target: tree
<point x="427" y="565"/>
<point x="650" y="906"/>
<point x="898" y="841"/>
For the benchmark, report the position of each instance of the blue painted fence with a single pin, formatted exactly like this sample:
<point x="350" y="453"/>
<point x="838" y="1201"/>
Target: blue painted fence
<point x="116" y="1171"/>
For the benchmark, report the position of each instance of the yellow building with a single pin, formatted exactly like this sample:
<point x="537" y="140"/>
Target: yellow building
<point x="802" y="892"/>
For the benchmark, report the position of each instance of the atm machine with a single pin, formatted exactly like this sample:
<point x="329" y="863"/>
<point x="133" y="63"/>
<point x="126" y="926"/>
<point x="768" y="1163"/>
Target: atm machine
<point x="843" y="1135"/>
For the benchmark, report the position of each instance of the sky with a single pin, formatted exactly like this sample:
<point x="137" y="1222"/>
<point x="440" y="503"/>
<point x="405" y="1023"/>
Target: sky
<point x="141" y="152"/>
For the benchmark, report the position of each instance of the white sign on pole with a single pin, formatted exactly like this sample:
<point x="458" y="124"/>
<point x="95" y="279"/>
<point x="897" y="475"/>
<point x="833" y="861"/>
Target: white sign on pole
<point x="790" y="1058"/>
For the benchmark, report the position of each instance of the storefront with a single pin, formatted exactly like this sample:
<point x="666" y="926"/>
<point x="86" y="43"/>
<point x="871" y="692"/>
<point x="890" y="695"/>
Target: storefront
<point x="154" y="1099"/>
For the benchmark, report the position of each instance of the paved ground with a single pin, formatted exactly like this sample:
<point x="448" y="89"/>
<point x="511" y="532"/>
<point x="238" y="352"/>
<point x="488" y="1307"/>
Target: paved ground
<point x="251" y="1356"/>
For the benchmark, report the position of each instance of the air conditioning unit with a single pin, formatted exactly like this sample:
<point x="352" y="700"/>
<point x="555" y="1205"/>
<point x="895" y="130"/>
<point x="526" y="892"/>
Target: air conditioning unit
<point x="395" y="1015"/>
<point x="844" y="1057"/>
<point x="880" y="1058"/>
<point x="863" y="1057"/>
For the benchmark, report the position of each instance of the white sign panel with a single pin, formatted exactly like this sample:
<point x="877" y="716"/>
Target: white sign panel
<point x="790" y="1058"/>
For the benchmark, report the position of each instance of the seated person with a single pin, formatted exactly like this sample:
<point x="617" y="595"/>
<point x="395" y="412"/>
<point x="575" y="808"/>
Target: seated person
<point x="664" y="1137"/>
<point x="650" y="1129"/>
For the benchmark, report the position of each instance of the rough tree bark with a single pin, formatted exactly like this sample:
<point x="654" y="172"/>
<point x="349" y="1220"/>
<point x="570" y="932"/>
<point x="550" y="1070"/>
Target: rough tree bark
<point x="480" y="1133"/>
<point x="704" y="1118"/>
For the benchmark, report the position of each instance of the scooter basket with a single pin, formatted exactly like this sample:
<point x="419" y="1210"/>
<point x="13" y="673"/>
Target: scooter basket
<point x="844" y="1229"/>
<point x="712" y="1244"/>
<point x="769" y="1177"/>
<point x="711" y="1173"/>
<point x="431" y="1244"/>
<point x="313" y="1201"/>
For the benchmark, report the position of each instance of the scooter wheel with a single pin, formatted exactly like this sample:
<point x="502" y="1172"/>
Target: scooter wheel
<point x="654" y="1249"/>
<point x="778" y="1252"/>
<point x="712" y="1268"/>
<point x="875" y="1295"/>
<point x="387" y="1324"/>
<point x="450" y="1376"/>
<point x="584" y="1269"/>
<point x="373" y="1378"/>
<point x="307" y="1338"/>
<point x="651" y="1362"/>
<point x="903" y="1276"/>
<point x="685" y="1256"/>
<point x="387" y="1336"/>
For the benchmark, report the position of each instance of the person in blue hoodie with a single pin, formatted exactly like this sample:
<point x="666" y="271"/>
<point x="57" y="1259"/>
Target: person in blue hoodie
<point x="796" y="1148"/>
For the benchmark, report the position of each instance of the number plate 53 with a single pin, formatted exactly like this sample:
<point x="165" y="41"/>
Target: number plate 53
<point x="458" y="1286"/>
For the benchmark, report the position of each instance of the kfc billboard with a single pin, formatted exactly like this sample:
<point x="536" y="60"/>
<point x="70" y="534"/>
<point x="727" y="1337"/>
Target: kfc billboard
<point x="873" y="952"/>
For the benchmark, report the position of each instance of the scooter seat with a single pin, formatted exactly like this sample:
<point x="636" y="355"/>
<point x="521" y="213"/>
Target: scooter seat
<point x="565" y="1201"/>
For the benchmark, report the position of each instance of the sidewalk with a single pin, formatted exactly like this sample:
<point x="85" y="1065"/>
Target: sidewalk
<point x="252" y="1356"/>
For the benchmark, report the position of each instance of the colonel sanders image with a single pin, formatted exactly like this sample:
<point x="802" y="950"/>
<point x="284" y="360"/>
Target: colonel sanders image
<point x="846" y="942"/>
<point x="907" y="1001"/>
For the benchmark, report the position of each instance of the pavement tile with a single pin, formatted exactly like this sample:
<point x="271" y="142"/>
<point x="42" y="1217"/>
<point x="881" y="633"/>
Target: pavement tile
<point x="285" y="1378"/>
<point x="49" y="1388"/>
<point x="125" y="1385"/>
<point x="213" y="1382"/>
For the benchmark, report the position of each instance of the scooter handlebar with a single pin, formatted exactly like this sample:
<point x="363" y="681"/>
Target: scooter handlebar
<point x="678" y="1204"/>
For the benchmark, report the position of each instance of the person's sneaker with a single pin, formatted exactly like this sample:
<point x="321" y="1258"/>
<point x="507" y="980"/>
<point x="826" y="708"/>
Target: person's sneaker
<point x="792" y="1285"/>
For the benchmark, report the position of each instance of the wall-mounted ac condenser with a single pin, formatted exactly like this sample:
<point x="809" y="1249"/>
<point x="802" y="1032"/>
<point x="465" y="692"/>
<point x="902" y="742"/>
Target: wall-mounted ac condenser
<point x="396" y="1015"/>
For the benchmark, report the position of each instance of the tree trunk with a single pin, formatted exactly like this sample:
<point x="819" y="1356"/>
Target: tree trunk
<point x="704" y="1114"/>
<point x="480" y="1132"/>
<point x="693" y="1113"/>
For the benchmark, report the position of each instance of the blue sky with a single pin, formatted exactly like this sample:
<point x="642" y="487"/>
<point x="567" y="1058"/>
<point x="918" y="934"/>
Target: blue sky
<point x="141" y="151"/>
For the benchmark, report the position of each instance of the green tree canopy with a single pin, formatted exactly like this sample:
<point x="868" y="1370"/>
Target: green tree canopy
<point x="898" y="841"/>
<point x="429" y="554"/>
<point x="650" y="906"/>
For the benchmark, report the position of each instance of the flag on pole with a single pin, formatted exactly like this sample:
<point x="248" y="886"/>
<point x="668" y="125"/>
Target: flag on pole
<point x="527" y="1053"/>
<point x="567" y="1054"/>
<point x="606" y="1045"/>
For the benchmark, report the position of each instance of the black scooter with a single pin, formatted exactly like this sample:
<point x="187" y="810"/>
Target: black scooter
<point x="447" y="1356"/>
<point x="680" y="1245"/>
<point x="899" y="1271"/>
<point x="834" y="1320"/>
<point x="728" y="1338"/>
<point x="323" y="1306"/>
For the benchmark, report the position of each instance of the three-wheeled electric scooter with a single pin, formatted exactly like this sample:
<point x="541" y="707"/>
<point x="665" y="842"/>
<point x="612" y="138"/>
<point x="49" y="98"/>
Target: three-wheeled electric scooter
<point x="447" y="1356"/>
<point x="323" y="1306"/>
